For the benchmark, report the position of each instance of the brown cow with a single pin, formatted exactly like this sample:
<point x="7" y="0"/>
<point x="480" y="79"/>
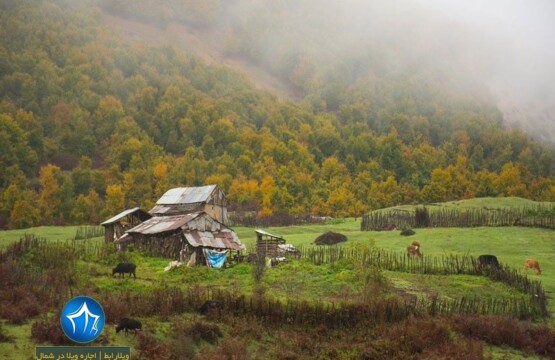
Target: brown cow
<point x="532" y="264"/>
<point x="414" y="249"/>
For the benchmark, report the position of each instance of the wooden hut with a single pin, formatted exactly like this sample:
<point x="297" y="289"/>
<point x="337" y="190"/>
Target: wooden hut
<point x="187" y="238"/>
<point x="115" y="227"/>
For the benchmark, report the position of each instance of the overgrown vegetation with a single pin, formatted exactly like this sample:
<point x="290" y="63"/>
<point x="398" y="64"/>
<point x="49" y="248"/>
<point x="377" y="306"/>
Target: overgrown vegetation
<point x="373" y="310"/>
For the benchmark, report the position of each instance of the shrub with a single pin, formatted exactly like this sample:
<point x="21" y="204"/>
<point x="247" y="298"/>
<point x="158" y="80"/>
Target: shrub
<point x="48" y="329"/>
<point x="200" y="331"/>
<point x="407" y="232"/>
<point x="231" y="349"/>
<point x="151" y="348"/>
<point x="502" y="330"/>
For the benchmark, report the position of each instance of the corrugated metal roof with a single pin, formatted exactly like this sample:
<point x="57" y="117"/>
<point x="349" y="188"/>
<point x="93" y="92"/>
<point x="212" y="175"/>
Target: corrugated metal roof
<point x="225" y="239"/>
<point x="123" y="214"/>
<point x="186" y="195"/>
<point x="161" y="224"/>
<point x="262" y="232"/>
<point x="169" y="209"/>
<point x="196" y="232"/>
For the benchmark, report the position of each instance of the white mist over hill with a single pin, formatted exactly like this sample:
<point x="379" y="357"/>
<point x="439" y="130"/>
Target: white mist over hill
<point x="518" y="42"/>
<point x="496" y="50"/>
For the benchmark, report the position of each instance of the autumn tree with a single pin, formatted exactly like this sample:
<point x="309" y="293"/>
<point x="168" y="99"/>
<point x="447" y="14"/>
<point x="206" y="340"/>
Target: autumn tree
<point x="50" y="195"/>
<point x="24" y="212"/>
<point x="509" y="182"/>
<point x="115" y="200"/>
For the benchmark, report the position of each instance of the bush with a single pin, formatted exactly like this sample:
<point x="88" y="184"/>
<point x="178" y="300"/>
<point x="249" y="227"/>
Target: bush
<point x="231" y="349"/>
<point x="502" y="330"/>
<point x="48" y="329"/>
<point x="200" y="331"/>
<point x="151" y="348"/>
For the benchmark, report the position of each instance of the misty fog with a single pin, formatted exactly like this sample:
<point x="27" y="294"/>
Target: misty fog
<point x="500" y="50"/>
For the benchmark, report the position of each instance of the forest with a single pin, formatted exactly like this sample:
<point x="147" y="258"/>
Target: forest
<point x="92" y="123"/>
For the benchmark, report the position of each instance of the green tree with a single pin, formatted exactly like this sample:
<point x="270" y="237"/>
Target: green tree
<point x="25" y="213"/>
<point x="87" y="209"/>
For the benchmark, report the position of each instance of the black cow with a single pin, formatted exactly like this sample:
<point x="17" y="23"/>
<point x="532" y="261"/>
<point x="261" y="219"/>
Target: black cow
<point x="125" y="268"/>
<point x="488" y="260"/>
<point x="211" y="306"/>
<point x="128" y="324"/>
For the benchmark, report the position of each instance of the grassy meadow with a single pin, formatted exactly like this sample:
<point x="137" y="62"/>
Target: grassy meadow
<point x="301" y="280"/>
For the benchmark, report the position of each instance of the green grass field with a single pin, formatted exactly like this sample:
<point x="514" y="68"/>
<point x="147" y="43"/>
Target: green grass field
<point x="301" y="280"/>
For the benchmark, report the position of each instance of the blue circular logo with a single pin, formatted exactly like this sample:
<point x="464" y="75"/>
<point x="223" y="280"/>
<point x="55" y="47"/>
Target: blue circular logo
<point x="82" y="319"/>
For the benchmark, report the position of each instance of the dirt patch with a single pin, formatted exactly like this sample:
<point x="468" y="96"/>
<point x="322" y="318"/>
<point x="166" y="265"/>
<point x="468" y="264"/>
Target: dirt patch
<point x="330" y="238"/>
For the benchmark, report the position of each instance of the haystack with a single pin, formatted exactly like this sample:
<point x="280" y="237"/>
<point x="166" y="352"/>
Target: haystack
<point x="330" y="238"/>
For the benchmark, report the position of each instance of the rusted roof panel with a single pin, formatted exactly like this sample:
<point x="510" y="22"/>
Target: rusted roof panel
<point x="174" y="209"/>
<point x="225" y="239"/>
<point x="187" y="195"/>
<point x="141" y="213"/>
<point x="161" y="224"/>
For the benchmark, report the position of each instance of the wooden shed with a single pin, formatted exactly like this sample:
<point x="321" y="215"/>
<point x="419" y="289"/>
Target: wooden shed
<point x="267" y="243"/>
<point x="186" y="238"/>
<point x="115" y="227"/>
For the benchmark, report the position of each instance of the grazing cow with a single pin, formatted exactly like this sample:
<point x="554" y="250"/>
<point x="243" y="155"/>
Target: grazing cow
<point x="125" y="268"/>
<point x="128" y="324"/>
<point x="389" y="227"/>
<point x="532" y="264"/>
<point x="414" y="249"/>
<point x="488" y="260"/>
<point x="211" y="306"/>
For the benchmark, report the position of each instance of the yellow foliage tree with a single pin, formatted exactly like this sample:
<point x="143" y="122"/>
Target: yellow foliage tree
<point x="49" y="197"/>
<point x="115" y="199"/>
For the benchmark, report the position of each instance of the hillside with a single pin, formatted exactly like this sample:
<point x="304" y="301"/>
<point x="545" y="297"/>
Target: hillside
<point x="92" y="122"/>
<point x="295" y="49"/>
<point x="203" y="44"/>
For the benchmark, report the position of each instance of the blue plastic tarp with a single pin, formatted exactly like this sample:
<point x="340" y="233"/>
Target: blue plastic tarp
<point x="215" y="258"/>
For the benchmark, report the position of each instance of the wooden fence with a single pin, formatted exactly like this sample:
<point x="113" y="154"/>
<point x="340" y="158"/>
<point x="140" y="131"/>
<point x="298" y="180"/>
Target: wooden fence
<point x="541" y="216"/>
<point x="444" y="265"/>
<point x="165" y="300"/>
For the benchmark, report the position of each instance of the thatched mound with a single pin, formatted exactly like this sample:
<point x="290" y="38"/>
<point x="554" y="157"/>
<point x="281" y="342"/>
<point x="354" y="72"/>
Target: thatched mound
<point x="407" y="232"/>
<point x="330" y="238"/>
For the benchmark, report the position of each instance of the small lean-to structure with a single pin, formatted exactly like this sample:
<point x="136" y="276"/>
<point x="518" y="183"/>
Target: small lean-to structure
<point x="273" y="246"/>
<point x="267" y="244"/>
<point x="115" y="227"/>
